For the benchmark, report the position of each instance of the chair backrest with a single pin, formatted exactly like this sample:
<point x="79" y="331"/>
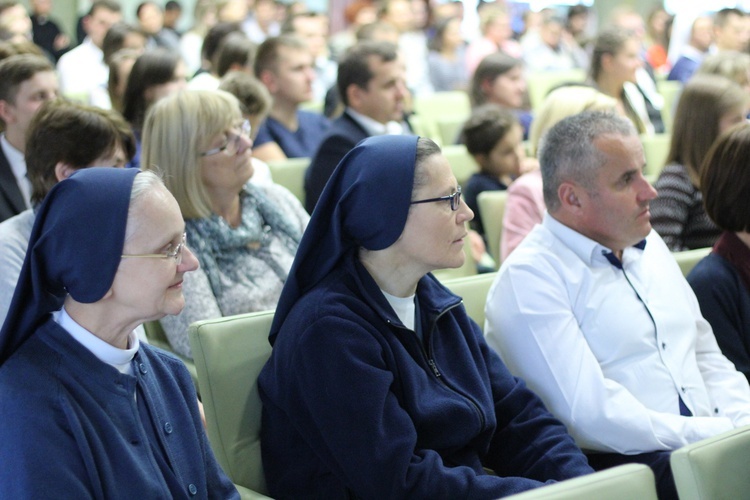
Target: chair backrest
<point x="541" y="82"/>
<point x="461" y="162"/>
<point x="473" y="289"/>
<point x="492" y="209"/>
<point x="229" y="353"/>
<point x="655" y="149"/>
<point x="290" y="173"/>
<point x="714" y="468"/>
<point x="449" y="129"/>
<point x="670" y="90"/>
<point x="687" y="259"/>
<point x="624" y="482"/>
<point x="439" y="105"/>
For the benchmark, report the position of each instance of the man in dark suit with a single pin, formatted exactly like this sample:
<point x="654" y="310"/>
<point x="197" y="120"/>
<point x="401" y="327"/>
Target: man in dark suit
<point x="26" y="82"/>
<point x="371" y="83"/>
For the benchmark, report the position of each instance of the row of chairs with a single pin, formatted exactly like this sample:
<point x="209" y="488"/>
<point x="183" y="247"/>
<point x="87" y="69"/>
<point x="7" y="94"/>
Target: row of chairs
<point x="230" y="352"/>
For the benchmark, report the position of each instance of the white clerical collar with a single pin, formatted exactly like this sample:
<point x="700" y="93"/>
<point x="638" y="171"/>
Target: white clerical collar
<point x="106" y="353"/>
<point x="374" y="127"/>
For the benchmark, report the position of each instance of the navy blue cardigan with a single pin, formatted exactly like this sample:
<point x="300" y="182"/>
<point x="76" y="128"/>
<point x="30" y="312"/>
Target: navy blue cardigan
<point x="71" y="426"/>
<point x="725" y="303"/>
<point x="354" y="403"/>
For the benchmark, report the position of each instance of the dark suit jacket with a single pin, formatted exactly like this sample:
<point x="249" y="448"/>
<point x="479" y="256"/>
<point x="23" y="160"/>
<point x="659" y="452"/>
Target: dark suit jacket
<point x="11" y="199"/>
<point x="343" y="135"/>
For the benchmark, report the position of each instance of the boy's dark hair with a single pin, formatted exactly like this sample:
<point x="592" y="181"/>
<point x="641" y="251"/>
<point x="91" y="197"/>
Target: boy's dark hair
<point x="486" y="126"/>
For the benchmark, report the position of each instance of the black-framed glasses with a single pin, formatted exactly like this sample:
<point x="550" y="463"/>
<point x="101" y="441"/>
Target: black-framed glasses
<point x="232" y="145"/>
<point x="454" y="198"/>
<point x="172" y="253"/>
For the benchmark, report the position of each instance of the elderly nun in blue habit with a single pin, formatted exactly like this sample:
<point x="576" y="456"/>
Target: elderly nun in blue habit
<point x="87" y="411"/>
<point x="379" y="384"/>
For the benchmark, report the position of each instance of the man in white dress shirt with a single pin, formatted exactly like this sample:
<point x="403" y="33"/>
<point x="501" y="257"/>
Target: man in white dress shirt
<point x="593" y="311"/>
<point x="83" y="69"/>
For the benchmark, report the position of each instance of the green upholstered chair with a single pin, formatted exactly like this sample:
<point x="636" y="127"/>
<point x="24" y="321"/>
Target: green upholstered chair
<point x="473" y="289"/>
<point x="625" y="482"/>
<point x="290" y="173"/>
<point x="687" y="259"/>
<point x="430" y="108"/>
<point x="492" y="209"/>
<point x="461" y="162"/>
<point x="714" y="468"/>
<point x="670" y="90"/>
<point x="539" y="83"/>
<point x="449" y="128"/>
<point x="229" y="353"/>
<point x="157" y="338"/>
<point x="655" y="149"/>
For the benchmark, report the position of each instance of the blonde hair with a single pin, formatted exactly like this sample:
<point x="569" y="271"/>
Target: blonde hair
<point x="177" y="129"/>
<point x="562" y="103"/>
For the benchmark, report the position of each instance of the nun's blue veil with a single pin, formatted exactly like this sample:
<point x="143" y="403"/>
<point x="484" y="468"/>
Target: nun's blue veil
<point x="364" y="204"/>
<point x="75" y="249"/>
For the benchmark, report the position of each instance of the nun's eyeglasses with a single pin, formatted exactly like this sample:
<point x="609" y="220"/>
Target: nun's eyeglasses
<point x="174" y="253"/>
<point x="454" y="198"/>
<point x="232" y="144"/>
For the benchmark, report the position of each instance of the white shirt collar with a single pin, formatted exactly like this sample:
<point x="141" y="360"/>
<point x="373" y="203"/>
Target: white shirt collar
<point x="588" y="250"/>
<point x="106" y="353"/>
<point x="374" y="127"/>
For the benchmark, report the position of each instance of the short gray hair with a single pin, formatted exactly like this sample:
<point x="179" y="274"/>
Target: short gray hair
<point x="143" y="183"/>
<point x="567" y="151"/>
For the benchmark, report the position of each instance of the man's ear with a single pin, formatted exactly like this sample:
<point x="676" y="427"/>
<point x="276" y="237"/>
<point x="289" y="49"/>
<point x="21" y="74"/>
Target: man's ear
<point x="354" y="95"/>
<point x="268" y="79"/>
<point x="569" y="195"/>
<point x="5" y="113"/>
<point x="63" y="171"/>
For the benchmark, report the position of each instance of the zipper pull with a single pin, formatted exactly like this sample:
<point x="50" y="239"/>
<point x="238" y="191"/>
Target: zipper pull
<point x="432" y="364"/>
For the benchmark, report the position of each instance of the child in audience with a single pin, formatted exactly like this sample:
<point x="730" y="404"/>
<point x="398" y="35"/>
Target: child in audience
<point x="494" y="138"/>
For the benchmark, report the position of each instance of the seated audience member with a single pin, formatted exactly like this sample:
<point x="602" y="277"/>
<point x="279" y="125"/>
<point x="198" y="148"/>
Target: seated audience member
<point x="729" y="64"/>
<point x="721" y="280"/>
<point x="551" y="51"/>
<point x="27" y="81"/>
<point x="155" y="74"/>
<point x="284" y="65"/>
<point x="83" y="69"/>
<point x="235" y="52"/>
<point x="245" y="236"/>
<point x="151" y="21"/>
<point x="54" y="150"/>
<point x="357" y="13"/>
<point x="446" y="59"/>
<point x="255" y="103"/>
<point x="356" y="317"/>
<point x="524" y="206"/>
<point x="614" y="68"/>
<point x="206" y="76"/>
<point x="120" y="65"/>
<point x="708" y="106"/>
<point x="121" y="36"/>
<point x="372" y="86"/>
<point x="312" y="27"/>
<point x="204" y="17"/>
<point x="499" y="79"/>
<point x="497" y="35"/>
<point x="46" y="29"/>
<point x="494" y="138"/>
<point x="694" y="52"/>
<point x="99" y="404"/>
<point x="730" y="30"/>
<point x="593" y="312"/>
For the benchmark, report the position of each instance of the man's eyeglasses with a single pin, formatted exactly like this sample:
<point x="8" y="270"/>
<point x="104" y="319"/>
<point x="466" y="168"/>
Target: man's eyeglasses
<point x="173" y="253"/>
<point x="232" y="145"/>
<point x="454" y="198"/>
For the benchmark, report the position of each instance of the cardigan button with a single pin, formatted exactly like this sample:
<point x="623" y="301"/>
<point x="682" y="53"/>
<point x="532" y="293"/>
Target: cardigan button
<point x="193" y="490"/>
<point x="142" y="368"/>
<point x="168" y="428"/>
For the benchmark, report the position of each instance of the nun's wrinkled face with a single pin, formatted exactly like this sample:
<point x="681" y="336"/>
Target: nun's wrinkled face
<point x="433" y="237"/>
<point x="149" y="288"/>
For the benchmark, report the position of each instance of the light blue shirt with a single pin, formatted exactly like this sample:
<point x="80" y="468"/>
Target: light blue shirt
<point x="612" y="350"/>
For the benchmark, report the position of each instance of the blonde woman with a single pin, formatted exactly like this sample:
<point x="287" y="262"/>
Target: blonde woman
<point x="244" y="235"/>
